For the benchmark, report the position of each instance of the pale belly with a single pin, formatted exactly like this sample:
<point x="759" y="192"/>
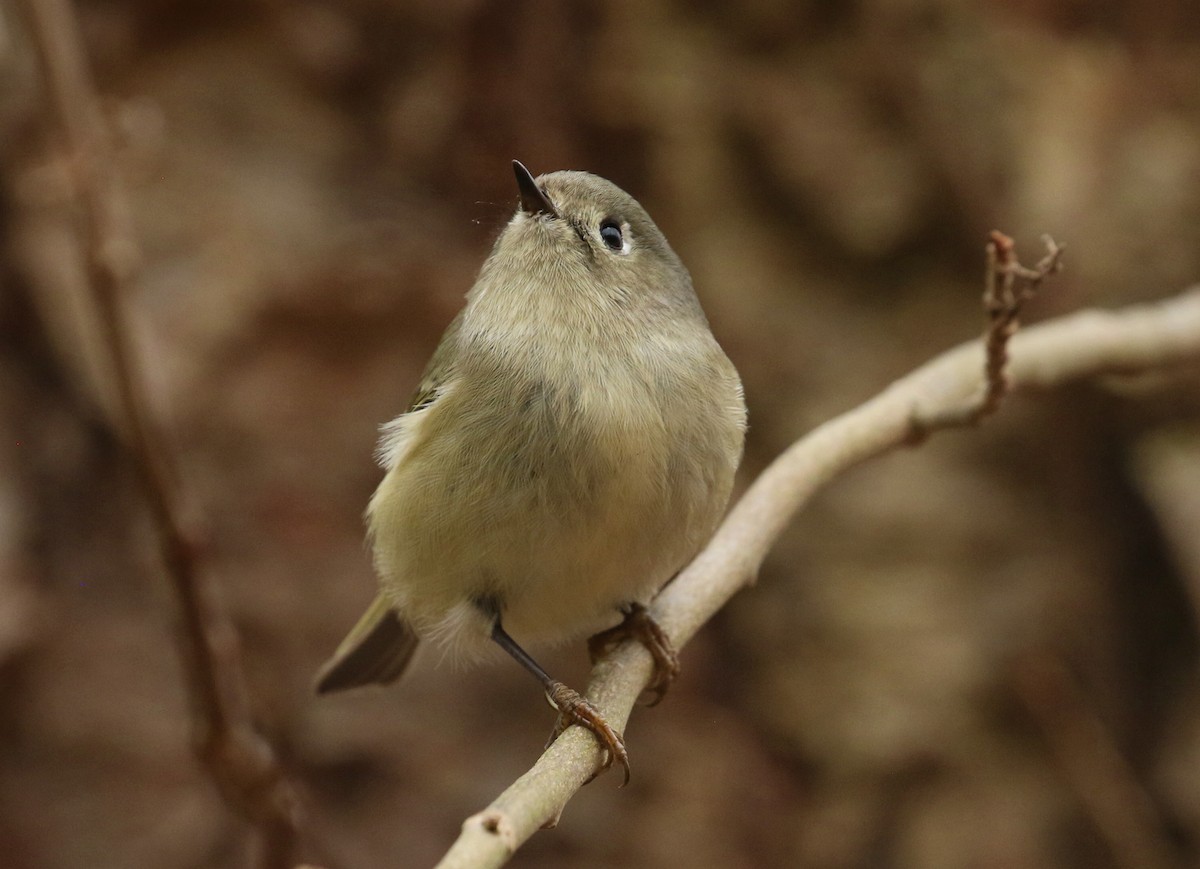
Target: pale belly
<point x="556" y="533"/>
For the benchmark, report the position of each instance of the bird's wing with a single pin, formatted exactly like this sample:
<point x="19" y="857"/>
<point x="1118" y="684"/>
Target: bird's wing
<point x="380" y="646"/>
<point x="395" y="436"/>
<point x="440" y="367"/>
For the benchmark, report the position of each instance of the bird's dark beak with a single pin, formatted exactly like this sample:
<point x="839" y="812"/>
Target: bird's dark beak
<point x="533" y="200"/>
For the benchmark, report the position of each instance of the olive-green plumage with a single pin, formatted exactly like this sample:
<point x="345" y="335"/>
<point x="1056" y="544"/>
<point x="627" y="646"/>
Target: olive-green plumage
<point x="572" y="443"/>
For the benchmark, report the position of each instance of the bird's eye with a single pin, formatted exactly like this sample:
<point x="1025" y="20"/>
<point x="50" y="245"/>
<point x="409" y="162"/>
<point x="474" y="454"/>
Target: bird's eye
<point x="610" y="234"/>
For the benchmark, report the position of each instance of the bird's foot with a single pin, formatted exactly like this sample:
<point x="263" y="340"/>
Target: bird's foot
<point x="640" y="625"/>
<point x="574" y="708"/>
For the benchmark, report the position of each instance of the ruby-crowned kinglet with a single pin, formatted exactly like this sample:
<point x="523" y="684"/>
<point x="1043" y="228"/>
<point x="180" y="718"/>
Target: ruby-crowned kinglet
<point x="571" y="446"/>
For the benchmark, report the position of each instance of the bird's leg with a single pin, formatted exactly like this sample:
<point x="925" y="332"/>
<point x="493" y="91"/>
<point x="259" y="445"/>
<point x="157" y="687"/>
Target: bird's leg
<point x="573" y="707"/>
<point x="640" y="625"/>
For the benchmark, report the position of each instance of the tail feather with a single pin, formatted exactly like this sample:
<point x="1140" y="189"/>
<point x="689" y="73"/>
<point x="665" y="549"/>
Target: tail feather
<point x="376" y="651"/>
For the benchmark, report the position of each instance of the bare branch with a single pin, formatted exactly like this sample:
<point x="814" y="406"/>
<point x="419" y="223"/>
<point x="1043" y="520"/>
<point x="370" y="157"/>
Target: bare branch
<point x="949" y="387"/>
<point x="239" y="759"/>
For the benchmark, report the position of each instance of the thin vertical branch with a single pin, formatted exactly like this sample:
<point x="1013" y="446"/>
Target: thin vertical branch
<point x="1007" y="286"/>
<point x="238" y="758"/>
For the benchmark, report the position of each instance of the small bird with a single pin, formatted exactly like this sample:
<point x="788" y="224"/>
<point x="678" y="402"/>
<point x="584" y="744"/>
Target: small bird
<point x="572" y="445"/>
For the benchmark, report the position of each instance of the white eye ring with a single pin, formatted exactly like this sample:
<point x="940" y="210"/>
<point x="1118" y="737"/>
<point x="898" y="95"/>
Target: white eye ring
<point x="612" y="236"/>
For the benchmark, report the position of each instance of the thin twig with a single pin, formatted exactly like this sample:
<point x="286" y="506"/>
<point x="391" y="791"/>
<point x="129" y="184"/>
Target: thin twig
<point x="239" y="759"/>
<point x="1007" y="287"/>
<point x="1082" y="345"/>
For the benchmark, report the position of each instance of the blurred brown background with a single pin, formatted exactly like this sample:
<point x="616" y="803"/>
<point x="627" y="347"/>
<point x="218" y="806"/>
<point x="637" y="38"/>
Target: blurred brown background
<point x="979" y="653"/>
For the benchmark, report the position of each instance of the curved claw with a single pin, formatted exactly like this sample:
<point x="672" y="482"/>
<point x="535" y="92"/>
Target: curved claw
<point x="574" y="708"/>
<point x="640" y="625"/>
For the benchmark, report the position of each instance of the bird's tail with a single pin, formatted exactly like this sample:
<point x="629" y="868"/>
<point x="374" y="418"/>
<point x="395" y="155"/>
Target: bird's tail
<point x="376" y="651"/>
